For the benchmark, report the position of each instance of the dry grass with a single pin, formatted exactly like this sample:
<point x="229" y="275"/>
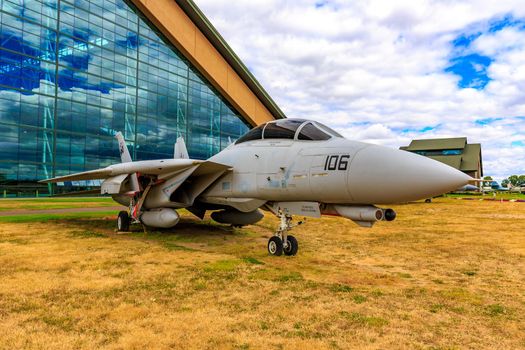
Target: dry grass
<point x="445" y="275"/>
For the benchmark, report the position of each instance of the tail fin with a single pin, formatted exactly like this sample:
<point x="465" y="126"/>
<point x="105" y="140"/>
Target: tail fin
<point x="180" y="151"/>
<point x="126" y="158"/>
<point x="123" y="149"/>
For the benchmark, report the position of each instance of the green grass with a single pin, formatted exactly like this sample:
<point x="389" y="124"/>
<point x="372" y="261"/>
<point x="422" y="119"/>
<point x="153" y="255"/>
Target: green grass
<point x="363" y="320"/>
<point x="499" y="195"/>
<point x="290" y="277"/>
<point x="253" y="261"/>
<point x="496" y="310"/>
<point x="54" y="203"/>
<point x="340" y="288"/>
<point x="48" y="217"/>
<point x="359" y="299"/>
<point x="59" y="200"/>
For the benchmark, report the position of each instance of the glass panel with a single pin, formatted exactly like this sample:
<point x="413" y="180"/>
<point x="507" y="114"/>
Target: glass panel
<point x="310" y="132"/>
<point x="451" y="152"/>
<point x="74" y="72"/>
<point x="254" y="134"/>
<point x="329" y="130"/>
<point x="282" y="129"/>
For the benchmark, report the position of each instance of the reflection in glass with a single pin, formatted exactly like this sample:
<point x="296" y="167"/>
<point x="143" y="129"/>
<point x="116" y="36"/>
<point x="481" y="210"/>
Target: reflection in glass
<point x="72" y="73"/>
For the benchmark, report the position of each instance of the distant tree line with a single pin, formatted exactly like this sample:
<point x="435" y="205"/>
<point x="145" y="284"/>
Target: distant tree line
<point x="513" y="180"/>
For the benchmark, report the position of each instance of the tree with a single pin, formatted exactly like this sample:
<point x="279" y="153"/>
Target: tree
<point x="505" y="183"/>
<point x="487" y="180"/>
<point x="513" y="179"/>
<point x="521" y="180"/>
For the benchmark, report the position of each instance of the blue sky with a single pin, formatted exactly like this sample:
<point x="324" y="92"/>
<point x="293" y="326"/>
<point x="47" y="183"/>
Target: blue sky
<point x="388" y="72"/>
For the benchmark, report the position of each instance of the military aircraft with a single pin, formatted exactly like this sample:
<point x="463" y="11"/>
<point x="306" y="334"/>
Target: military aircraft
<point x="520" y="188"/>
<point x="495" y="187"/>
<point x="288" y="167"/>
<point x="467" y="188"/>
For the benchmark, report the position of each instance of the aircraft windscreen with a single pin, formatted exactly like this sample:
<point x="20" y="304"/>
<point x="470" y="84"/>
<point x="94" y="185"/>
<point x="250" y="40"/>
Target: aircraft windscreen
<point x="312" y="133"/>
<point x="329" y="130"/>
<point x="254" y="134"/>
<point x="282" y="129"/>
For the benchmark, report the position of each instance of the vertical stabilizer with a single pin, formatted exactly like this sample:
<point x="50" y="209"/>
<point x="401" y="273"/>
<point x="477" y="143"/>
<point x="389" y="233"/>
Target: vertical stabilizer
<point x="180" y="151"/>
<point x="123" y="149"/>
<point x="126" y="158"/>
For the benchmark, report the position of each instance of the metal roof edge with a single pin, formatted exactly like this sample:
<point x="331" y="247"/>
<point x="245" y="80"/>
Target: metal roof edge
<point x="205" y="26"/>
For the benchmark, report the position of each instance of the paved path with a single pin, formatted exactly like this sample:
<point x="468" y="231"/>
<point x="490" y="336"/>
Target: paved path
<point x="60" y="211"/>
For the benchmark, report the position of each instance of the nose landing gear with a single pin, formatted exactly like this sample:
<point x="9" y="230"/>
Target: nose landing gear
<point x="281" y="242"/>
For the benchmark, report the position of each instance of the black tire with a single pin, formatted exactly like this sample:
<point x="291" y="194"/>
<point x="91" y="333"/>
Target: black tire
<point x="292" y="247"/>
<point x="123" y="221"/>
<point x="275" y="246"/>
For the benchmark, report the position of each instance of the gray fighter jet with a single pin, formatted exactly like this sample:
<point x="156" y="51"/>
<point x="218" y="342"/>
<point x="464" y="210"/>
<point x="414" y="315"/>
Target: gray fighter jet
<point x="288" y="167"/>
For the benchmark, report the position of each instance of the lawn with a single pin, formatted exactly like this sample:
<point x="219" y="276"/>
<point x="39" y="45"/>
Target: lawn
<point x="55" y="203"/>
<point x="444" y="275"/>
<point x="489" y="196"/>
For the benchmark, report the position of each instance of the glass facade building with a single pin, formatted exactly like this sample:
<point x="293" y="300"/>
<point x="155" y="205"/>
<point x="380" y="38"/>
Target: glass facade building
<point x="74" y="72"/>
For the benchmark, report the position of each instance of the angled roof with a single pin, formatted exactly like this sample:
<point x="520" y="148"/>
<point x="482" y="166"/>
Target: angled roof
<point x="205" y="26"/>
<point x="437" y="144"/>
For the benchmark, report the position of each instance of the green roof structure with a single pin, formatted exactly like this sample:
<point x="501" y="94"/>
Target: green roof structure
<point x="437" y="144"/>
<point x="455" y="152"/>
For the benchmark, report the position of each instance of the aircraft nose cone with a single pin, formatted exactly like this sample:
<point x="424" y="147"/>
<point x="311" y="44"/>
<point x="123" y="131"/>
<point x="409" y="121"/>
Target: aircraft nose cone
<point x="384" y="175"/>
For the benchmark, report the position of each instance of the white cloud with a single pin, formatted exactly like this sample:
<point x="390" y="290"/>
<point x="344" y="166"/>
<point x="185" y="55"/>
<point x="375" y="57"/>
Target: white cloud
<point x="382" y="62"/>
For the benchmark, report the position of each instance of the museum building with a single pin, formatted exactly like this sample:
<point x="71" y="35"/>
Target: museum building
<point x="455" y="152"/>
<point x="74" y="72"/>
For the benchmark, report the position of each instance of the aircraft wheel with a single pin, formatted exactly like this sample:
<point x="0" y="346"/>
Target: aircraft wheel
<point x="275" y="246"/>
<point x="292" y="247"/>
<point x="123" y="221"/>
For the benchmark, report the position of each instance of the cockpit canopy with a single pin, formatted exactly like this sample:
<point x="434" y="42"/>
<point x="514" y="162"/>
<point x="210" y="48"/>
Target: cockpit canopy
<point x="292" y="129"/>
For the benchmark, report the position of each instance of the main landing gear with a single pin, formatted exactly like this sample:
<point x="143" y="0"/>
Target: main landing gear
<point x="132" y="215"/>
<point x="282" y="242"/>
<point x="123" y="221"/>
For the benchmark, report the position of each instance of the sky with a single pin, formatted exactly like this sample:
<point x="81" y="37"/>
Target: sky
<point x="387" y="72"/>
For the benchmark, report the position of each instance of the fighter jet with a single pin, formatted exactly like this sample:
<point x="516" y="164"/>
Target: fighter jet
<point x="287" y="167"/>
<point x="467" y="188"/>
<point x="495" y="187"/>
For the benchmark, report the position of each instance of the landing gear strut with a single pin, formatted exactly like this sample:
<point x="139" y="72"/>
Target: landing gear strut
<point x="282" y="242"/>
<point x="132" y="216"/>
